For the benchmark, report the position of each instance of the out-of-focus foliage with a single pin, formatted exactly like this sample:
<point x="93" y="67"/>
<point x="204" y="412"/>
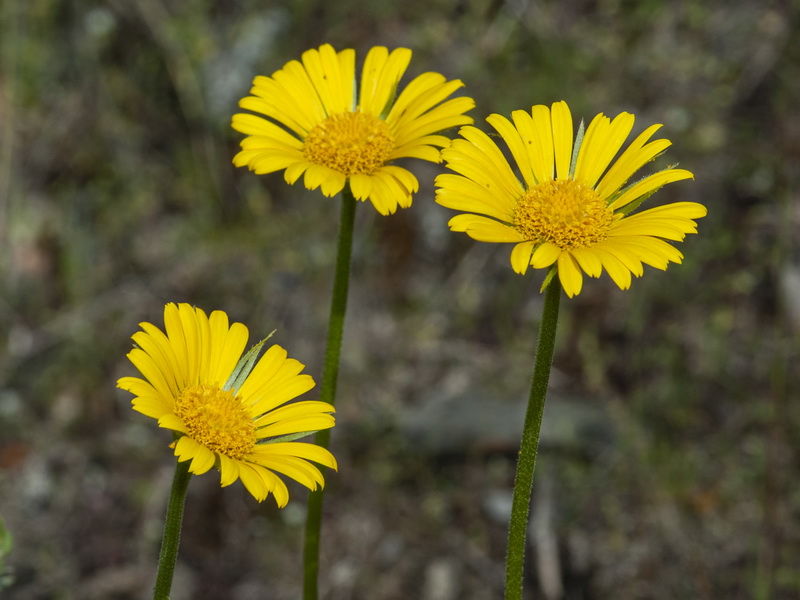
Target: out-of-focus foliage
<point x="668" y="467"/>
<point x="6" y="546"/>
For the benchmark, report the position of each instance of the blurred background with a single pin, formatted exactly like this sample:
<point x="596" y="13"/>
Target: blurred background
<point x="669" y="459"/>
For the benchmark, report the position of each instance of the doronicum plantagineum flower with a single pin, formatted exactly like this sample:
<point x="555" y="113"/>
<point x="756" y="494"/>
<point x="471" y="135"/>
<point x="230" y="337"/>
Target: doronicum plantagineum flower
<point x="573" y="207"/>
<point x="195" y="384"/>
<point x="317" y="126"/>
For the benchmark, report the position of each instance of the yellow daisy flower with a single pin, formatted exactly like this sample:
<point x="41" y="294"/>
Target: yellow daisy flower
<point x="572" y="207"/>
<point x="318" y="127"/>
<point x="194" y="384"/>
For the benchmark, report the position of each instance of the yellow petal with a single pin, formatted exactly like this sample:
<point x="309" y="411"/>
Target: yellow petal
<point x="634" y="157"/>
<point x="228" y="470"/>
<point x="315" y="422"/>
<point x="295" y="171"/>
<point x="463" y="194"/>
<point x="273" y="396"/>
<point x="296" y="409"/>
<point x="385" y="196"/>
<point x="298" y="469"/>
<point x="161" y="360"/>
<point x="275" y="485"/>
<point x="681" y="210"/>
<point x="598" y="128"/>
<point x="517" y="146"/>
<point x="186" y="448"/>
<point x="484" y="230"/>
<point x="253" y="481"/>
<point x="137" y="386"/>
<point x="545" y="255"/>
<point x="649" y="184"/>
<point x="203" y="460"/>
<point x="478" y="158"/>
<point x="569" y="273"/>
<point x="588" y="261"/>
<point x="265" y="369"/>
<point x="232" y="350"/>
<point x="300" y="449"/>
<point x="174" y="329"/>
<point x="521" y="257"/>
<point x="620" y="274"/>
<point x="561" y="119"/>
<point x="387" y="184"/>
<point x="543" y="144"/>
<point x="151" y="372"/>
<point x="150" y="406"/>
<point x="381" y="74"/>
<point x="530" y="132"/>
<point x="405" y="177"/>
<point x="361" y="186"/>
<point x="173" y="422"/>
<point x="262" y="129"/>
<point x="323" y="70"/>
<point x="598" y="149"/>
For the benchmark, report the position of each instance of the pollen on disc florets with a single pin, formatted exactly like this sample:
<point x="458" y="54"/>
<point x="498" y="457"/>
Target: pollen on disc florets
<point x="567" y="213"/>
<point x="216" y="419"/>
<point x="352" y="143"/>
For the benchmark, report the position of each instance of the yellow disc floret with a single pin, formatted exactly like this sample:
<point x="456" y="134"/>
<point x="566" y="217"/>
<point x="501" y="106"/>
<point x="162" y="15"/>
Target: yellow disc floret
<point x="564" y="212"/>
<point x="216" y="419"/>
<point x="352" y="143"/>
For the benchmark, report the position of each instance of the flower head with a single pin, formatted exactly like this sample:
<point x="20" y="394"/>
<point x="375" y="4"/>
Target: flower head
<point x="194" y="384"/>
<point x="572" y="207"/>
<point x="318" y="126"/>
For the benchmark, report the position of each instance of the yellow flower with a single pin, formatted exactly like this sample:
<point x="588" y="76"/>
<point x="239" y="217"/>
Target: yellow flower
<point x="187" y="386"/>
<point x="319" y="128"/>
<point x="572" y="207"/>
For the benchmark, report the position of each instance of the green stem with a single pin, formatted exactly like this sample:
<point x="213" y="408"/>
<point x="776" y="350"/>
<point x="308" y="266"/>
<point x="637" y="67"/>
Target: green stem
<point x="172" y="532"/>
<point x="327" y="392"/>
<point x="518" y="526"/>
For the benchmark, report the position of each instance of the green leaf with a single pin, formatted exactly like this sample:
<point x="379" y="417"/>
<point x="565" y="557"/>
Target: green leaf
<point x="575" y="149"/>
<point x="633" y="205"/>
<point x="548" y="278"/>
<point x="287" y="438"/>
<point x="244" y="366"/>
<point x="6" y="541"/>
<point x="6" y="545"/>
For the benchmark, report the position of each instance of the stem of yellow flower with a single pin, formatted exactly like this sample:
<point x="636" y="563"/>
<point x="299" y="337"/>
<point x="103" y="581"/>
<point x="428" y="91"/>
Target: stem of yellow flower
<point x="327" y="391"/>
<point x="172" y="532"/>
<point x="518" y="526"/>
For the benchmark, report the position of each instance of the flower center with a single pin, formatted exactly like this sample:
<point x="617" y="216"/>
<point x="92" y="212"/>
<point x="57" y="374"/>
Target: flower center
<point x="352" y="143"/>
<point x="565" y="212"/>
<point x="216" y="419"/>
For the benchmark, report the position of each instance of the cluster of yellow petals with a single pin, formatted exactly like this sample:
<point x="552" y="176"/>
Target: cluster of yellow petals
<point x="216" y="419"/>
<point x="574" y="214"/>
<point x="186" y="371"/>
<point x="315" y="121"/>
<point x="563" y="212"/>
<point x="352" y="143"/>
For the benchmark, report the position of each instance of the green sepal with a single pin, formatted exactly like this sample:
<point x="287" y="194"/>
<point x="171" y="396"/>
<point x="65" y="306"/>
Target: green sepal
<point x="286" y="438"/>
<point x="244" y="366"/>
<point x="548" y="278"/>
<point x="387" y="108"/>
<point x="389" y="104"/>
<point x="631" y="206"/>
<point x="634" y="204"/>
<point x="575" y="149"/>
